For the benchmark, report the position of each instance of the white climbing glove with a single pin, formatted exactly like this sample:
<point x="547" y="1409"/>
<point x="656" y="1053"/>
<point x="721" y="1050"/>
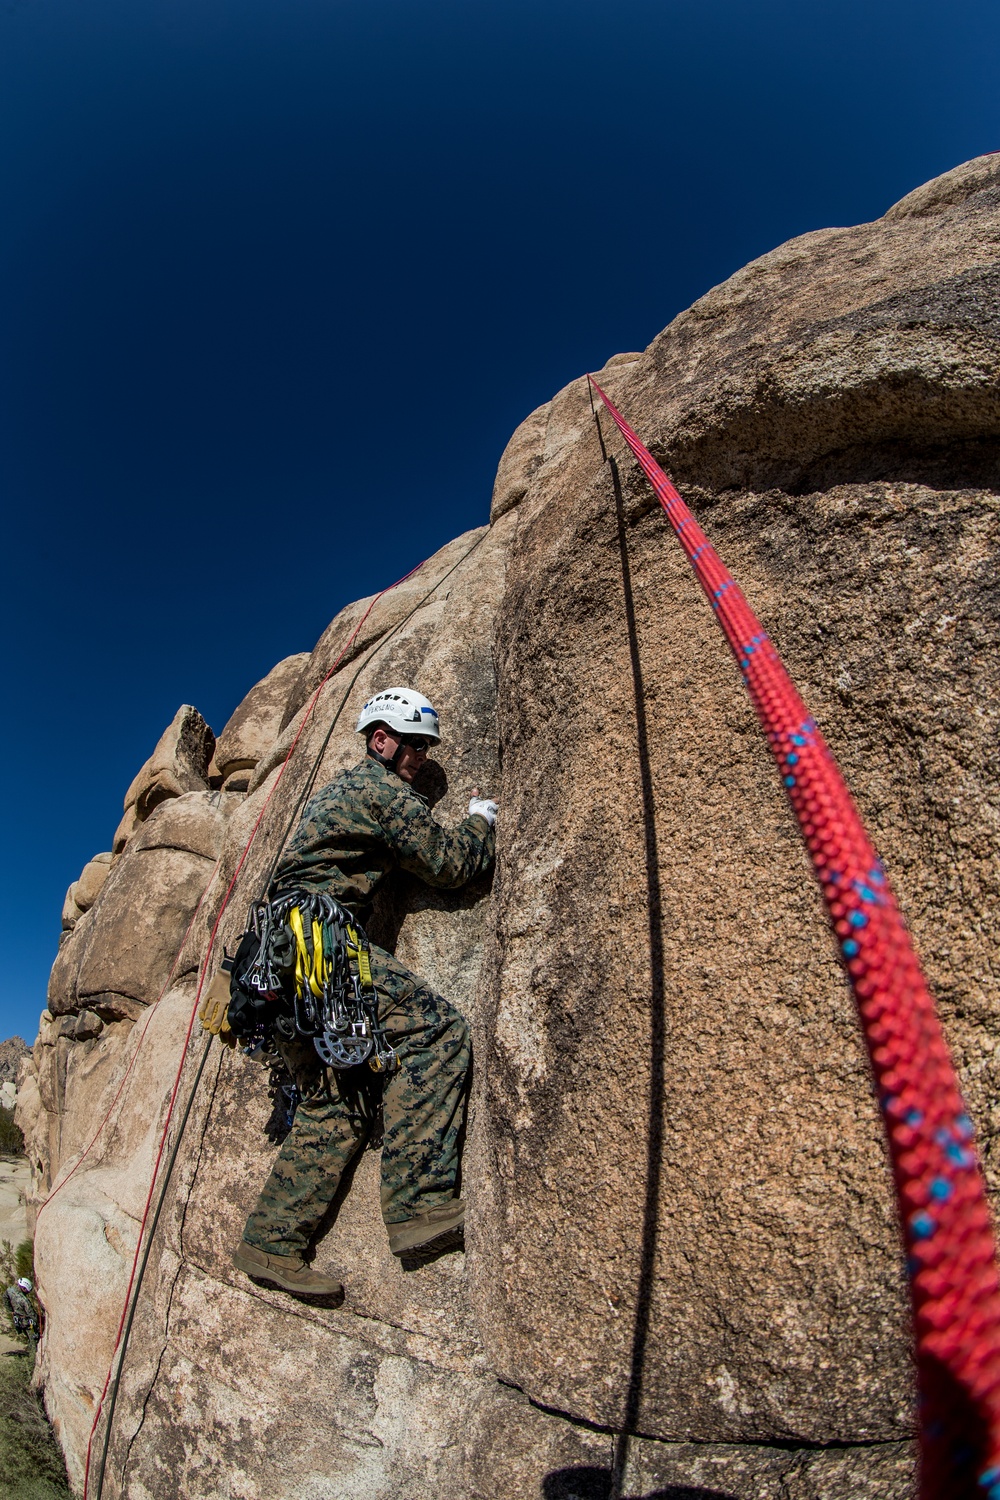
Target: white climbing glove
<point x="485" y="807"/>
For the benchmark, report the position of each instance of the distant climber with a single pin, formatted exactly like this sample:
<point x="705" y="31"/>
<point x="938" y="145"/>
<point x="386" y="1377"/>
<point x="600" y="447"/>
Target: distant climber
<point x="365" y="823"/>
<point x="23" y="1310"/>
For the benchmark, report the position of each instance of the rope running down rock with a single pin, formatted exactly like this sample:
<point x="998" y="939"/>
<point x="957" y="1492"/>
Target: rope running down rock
<point x="951" y="1256"/>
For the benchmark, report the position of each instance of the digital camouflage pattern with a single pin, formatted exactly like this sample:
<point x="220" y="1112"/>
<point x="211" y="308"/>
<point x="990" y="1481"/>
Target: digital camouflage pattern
<point x="423" y="1105"/>
<point x="368" y="821"/>
<point x="353" y="832"/>
<point x="22" y="1309"/>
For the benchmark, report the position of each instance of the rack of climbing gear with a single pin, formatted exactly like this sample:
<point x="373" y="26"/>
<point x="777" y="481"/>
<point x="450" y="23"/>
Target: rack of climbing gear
<point x="951" y="1257"/>
<point x="303" y="968"/>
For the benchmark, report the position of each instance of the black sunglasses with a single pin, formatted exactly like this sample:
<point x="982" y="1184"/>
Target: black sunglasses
<point x="415" y="741"/>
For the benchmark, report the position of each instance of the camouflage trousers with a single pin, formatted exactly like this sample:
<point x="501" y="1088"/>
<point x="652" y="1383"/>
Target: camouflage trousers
<point x="423" y="1109"/>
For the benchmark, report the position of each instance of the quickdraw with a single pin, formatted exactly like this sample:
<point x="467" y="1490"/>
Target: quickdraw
<point x="285" y="1096"/>
<point x="304" y="967"/>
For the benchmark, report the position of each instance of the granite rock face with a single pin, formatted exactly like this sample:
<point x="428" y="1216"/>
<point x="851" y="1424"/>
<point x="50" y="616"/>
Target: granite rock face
<point x="84" y="891"/>
<point x="14" y="1052"/>
<point x="692" y="1117"/>
<point x="251" y="731"/>
<point x="124" y="947"/>
<point x="681" y="1221"/>
<point x="179" y="763"/>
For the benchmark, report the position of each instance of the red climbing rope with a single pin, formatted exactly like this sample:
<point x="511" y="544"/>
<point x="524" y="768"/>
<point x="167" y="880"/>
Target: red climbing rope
<point x="942" y="1198"/>
<point x="194" y="1011"/>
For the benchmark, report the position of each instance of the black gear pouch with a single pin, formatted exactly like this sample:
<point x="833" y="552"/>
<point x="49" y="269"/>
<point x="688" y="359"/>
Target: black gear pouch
<point x="250" y="1012"/>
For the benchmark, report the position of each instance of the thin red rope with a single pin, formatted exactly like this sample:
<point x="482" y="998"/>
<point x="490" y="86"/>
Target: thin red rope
<point x="949" y="1242"/>
<point x="194" y="1008"/>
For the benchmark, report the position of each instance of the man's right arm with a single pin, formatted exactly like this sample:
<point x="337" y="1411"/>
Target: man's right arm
<point x="442" y="857"/>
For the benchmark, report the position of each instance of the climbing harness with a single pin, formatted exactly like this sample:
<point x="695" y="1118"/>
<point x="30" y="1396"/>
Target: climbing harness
<point x="951" y="1256"/>
<point x="304" y="967"/>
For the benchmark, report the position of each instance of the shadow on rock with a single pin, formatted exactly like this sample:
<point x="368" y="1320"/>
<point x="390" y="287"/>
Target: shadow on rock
<point x="431" y="781"/>
<point x="587" y="1483"/>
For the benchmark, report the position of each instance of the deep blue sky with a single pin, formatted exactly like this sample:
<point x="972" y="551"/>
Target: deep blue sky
<point x="278" y="278"/>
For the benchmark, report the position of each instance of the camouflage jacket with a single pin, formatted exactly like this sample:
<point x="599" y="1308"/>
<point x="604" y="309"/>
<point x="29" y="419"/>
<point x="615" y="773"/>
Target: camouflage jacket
<point x="368" y="821"/>
<point x="20" y="1305"/>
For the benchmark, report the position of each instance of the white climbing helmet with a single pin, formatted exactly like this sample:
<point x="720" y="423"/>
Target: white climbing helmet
<point x="24" y="1283"/>
<point x="403" y="710"/>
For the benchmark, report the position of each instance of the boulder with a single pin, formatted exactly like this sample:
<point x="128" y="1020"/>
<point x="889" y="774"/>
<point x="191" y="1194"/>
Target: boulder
<point x="375" y="620"/>
<point x="127" y="943"/>
<point x="541" y="439"/>
<point x="519" y="461"/>
<point x="61" y="995"/>
<point x="256" y="722"/>
<point x="93" y="875"/>
<point x="71" y="913"/>
<point x="130" y="821"/>
<point x="36" y="1125"/>
<point x="13" y="1054"/>
<point x="179" y="764"/>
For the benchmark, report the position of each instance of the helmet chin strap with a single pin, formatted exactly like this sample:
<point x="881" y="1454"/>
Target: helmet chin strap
<point x="384" y="760"/>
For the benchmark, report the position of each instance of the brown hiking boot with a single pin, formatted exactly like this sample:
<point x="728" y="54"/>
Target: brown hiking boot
<point x="431" y="1233"/>
<point x="288" y="1273"/>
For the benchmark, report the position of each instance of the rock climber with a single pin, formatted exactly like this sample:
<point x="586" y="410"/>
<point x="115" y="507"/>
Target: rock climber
<point x="365" y="823"/>
<point x="22" y="1309"/>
